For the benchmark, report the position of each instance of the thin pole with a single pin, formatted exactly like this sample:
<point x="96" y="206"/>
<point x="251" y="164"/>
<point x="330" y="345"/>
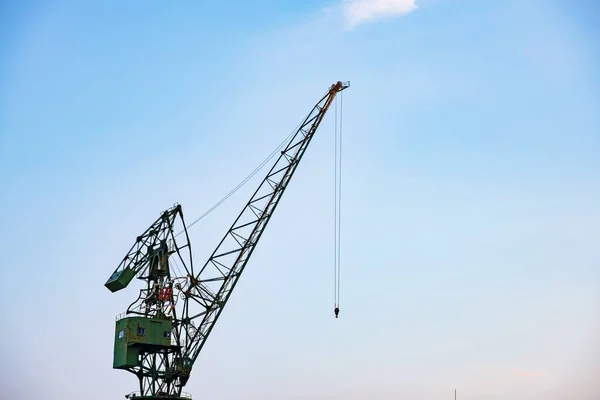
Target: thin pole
<point x="454" y="394"/>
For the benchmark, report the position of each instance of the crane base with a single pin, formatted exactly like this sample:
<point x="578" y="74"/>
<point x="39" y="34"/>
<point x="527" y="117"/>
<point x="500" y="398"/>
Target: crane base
<point x="158" y="398"/>
<point x="135" y="396"/>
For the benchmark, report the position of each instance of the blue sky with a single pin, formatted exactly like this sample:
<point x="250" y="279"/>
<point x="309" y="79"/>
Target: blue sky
<point x="471" y="185"/>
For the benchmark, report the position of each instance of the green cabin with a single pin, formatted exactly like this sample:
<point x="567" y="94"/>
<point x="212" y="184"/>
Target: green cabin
<point x="134" y="334"/>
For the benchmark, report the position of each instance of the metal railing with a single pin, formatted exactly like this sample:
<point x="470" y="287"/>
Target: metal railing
<point x="138" y="395"/>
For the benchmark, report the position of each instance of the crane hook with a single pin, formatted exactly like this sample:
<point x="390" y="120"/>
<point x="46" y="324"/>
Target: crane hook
<point x="336" y="311"/>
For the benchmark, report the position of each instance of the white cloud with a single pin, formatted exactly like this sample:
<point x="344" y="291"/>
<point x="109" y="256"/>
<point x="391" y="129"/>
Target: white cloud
<point x="358" y="11"/>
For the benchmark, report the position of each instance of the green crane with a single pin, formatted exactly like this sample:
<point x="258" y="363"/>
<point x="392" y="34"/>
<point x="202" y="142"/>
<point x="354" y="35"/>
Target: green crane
<point x="162" y="332"/>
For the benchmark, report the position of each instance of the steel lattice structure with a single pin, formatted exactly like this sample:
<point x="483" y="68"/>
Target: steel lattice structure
<point x="185" y="303"/>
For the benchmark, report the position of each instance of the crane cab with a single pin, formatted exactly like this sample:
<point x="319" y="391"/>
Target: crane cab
<point x="136" y="334"/>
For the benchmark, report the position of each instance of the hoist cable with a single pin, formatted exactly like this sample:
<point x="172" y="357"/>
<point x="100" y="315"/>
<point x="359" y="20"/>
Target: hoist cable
<point x="337" y="252"/>
<point x="243" y="182"/>
<point x="339" y="207"/>
<point x="335" y="204"/>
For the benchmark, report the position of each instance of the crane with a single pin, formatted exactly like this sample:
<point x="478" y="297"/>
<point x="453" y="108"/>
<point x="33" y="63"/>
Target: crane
<point x="160" y="335"/>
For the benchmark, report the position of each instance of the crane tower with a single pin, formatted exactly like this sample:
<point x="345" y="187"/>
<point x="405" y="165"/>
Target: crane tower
<point x="160" y="335"/>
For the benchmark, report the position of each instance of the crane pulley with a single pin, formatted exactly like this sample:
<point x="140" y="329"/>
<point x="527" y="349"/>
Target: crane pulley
<point x="163" y="331"/>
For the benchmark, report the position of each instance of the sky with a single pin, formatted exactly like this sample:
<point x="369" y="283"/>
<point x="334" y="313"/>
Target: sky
<point x="471" y="184"/>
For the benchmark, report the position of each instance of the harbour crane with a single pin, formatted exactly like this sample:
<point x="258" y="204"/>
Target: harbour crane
<point x="162" y="332"/>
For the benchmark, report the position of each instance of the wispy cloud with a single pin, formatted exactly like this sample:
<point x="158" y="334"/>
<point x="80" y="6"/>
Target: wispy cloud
<point x="527" y="373"/>
<point x="359" y="11"/>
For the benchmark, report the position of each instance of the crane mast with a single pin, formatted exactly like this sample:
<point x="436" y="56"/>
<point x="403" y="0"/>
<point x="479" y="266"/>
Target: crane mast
<point x="162" y="332"/>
